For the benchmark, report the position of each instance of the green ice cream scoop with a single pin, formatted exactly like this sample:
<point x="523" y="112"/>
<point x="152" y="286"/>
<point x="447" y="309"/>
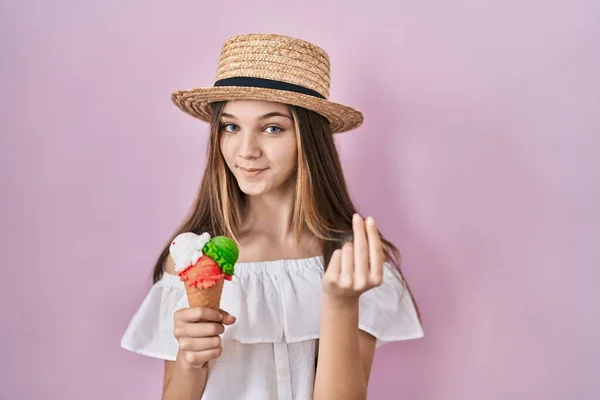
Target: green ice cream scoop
<point x="224" y="251"/>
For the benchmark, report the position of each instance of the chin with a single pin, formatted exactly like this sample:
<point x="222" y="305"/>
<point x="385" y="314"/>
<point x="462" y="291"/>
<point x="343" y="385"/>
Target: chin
<point x="252" y="190"/>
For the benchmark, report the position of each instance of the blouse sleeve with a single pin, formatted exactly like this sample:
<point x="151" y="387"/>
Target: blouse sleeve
<point x="151" y="329"/>
<point x="388" y="312"/>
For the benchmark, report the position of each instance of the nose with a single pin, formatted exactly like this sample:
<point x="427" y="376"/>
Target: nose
<point x="249" y="147"/>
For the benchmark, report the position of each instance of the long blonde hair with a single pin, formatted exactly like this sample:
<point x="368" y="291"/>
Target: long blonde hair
<point x="322" y="201"/>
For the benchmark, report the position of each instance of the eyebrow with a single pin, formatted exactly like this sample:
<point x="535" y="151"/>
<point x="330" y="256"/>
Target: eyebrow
<point x="265" y="116"/>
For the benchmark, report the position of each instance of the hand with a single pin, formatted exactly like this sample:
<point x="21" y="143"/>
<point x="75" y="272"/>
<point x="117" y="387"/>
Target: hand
<point x="197" y="331"/>
<point x="358" y="265"/>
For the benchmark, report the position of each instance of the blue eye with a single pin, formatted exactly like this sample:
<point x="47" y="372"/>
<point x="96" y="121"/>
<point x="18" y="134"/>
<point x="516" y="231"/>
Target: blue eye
<point x="233" y="126"/>
<point x="277" y="130"/>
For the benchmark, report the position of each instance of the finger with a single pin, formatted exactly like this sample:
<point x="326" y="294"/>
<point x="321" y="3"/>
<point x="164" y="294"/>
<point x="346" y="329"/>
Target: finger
<point x="347" y="265"/>
<point x="361" y="252"/>
<point x="195" y="314"/>
<point x="334" y="267"/>
<point x="228" y="319"/>
<point x="199" y="330"/>
<point x="198" y="358"/>
<point x="375" y="252"/>
<point x="195" y="344"/>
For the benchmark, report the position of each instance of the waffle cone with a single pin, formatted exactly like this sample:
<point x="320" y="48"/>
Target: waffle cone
<point x="209" y="297"/>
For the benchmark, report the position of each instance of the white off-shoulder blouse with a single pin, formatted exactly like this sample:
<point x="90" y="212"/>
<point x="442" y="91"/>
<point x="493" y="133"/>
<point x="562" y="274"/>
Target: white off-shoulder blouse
<point x="270" y="351"/>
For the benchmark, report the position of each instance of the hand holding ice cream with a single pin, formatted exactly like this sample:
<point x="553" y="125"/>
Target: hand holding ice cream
<point x="203" y="264"/>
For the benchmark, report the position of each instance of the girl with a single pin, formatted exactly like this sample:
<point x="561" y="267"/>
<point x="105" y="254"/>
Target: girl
<point x="317" y="287"/>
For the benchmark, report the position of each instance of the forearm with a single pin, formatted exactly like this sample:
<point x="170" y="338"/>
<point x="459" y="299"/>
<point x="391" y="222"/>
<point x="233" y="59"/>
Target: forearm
<point x="185" y="382"/>
<point x="339" y="370"/>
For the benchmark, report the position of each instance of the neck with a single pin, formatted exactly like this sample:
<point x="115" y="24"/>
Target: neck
<point x="272" y="213"/>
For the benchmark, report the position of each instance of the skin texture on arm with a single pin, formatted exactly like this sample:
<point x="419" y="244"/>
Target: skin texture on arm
<point x="366" y="343"/>
<point x="346" y="353"/>
<point x="182" y="381"/>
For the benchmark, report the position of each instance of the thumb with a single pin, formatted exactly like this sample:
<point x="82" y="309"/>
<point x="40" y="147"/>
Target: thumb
<point x="228" y="319"/>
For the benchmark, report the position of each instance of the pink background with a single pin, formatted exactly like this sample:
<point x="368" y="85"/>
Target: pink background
<point x="485" y="115"/>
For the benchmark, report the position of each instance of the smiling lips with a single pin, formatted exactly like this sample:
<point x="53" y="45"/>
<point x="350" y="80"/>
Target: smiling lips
<point x="250" y="172"/>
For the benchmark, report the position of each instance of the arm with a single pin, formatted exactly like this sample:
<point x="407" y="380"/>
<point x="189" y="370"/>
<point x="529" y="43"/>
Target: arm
<point x="346" y="353"/>
<point x="181" y="381"/>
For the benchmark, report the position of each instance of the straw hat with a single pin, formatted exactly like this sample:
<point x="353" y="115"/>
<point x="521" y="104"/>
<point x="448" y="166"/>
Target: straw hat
<point x="273" y="68"/>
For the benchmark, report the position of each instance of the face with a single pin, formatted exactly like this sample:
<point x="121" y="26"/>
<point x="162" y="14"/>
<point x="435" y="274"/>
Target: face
<point x="258" y="142"/>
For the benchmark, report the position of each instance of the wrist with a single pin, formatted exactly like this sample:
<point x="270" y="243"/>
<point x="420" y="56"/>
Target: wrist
<point x="340" y="302"/>
<point x="186" y="366"/>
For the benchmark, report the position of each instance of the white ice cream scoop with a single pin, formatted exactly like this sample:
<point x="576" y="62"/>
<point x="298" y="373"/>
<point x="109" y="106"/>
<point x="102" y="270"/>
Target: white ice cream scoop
<point x="186" y="249"/>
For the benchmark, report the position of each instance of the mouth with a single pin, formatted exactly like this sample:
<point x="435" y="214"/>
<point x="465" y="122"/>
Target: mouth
<point x="250" y="172"/>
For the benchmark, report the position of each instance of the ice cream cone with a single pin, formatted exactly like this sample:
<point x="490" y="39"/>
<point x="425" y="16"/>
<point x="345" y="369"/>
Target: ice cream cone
<point x="203" y="283"/>
<point x="209" y="297"/>
<point x="203" y="264"/>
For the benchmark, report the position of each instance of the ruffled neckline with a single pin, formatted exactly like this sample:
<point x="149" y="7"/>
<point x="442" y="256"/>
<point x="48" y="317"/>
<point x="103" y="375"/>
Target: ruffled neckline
<point x="279" y="261"/>
<point x="271" y="267"/>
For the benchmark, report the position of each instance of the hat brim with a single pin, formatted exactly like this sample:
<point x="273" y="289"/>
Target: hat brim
<point x="196" y="102"/>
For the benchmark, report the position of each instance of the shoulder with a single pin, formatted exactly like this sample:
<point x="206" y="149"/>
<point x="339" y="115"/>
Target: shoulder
<point x="169" y="265"/>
